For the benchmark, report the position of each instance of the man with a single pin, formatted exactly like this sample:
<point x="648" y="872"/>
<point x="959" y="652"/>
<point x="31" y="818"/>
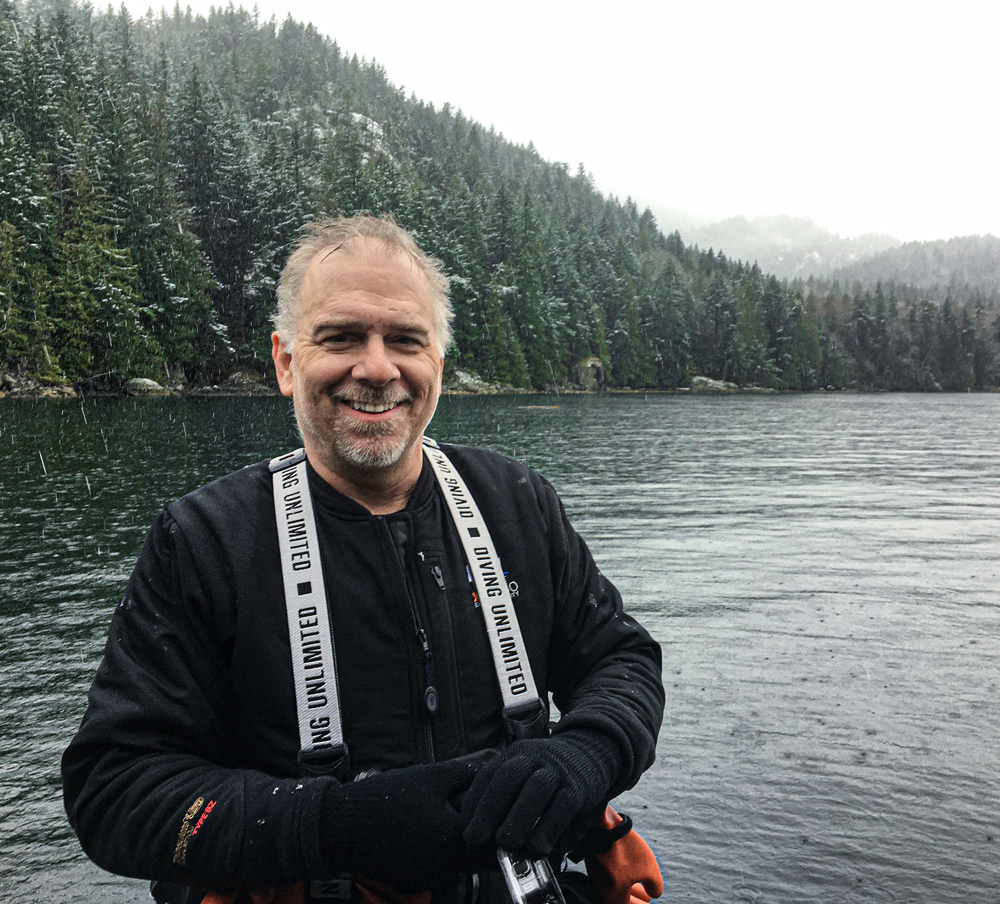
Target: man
<point x="187" y="767"/>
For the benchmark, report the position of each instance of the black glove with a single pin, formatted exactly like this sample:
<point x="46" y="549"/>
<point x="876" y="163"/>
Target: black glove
<point x="399" y="827"/>
<point x="525" y="799"/>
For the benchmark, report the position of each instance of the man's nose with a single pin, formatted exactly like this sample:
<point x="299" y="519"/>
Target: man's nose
<point x="375" y="365"/>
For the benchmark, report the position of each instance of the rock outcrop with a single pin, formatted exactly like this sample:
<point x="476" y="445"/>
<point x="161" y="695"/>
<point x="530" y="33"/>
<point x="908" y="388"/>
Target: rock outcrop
<point x="141" y="386"/>
<point x="705" y="384"/>
<point x="589" y="374"/>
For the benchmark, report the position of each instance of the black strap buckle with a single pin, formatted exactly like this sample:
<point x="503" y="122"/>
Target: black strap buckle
<point x="333" y="761"/>
<point x="526" y="720"/>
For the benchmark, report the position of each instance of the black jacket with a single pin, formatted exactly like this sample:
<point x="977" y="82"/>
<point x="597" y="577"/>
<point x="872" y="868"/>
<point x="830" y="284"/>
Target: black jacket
<point x="194" y="701"/>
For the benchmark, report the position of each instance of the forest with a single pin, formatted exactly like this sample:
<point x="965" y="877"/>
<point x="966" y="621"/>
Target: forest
<point x="154" y="172"/>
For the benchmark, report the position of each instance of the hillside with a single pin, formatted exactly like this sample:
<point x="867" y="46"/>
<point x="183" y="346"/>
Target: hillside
<point x="960" y="268"/>
<point x="796" y="248"/>
<point x="153" y="174"/>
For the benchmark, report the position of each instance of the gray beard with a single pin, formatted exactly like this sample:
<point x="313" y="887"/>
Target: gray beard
<point x="360" y="447"/>
<point x="363" y="450"/>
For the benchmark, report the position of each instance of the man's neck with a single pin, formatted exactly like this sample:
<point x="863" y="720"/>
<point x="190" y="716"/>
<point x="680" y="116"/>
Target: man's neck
<point x="381" y="492"/>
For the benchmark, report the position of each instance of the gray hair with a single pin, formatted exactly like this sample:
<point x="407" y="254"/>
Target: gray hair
<point x="335" y="233"/>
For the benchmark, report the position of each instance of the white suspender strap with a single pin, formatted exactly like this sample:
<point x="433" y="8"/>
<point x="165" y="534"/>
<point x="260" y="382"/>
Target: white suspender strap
<point x="314" y="664"/>
<point x="517" y="686"/>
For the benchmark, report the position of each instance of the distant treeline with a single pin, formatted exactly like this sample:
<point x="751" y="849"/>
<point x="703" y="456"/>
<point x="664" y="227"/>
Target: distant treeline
<point x="154" y="172"/>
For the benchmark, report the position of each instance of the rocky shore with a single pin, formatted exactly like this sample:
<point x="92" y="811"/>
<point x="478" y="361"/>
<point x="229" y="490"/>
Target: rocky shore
<point x="245" y="383"/>
<point x="241" y="383"/>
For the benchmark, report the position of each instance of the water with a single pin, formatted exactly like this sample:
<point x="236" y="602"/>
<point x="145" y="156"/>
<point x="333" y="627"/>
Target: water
<point x="820" y="570"/>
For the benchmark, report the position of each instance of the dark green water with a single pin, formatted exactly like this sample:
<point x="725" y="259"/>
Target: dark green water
<point x="822" y="572"/>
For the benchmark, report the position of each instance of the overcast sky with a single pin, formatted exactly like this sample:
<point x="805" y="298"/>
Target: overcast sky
<point x="866" y="117"/>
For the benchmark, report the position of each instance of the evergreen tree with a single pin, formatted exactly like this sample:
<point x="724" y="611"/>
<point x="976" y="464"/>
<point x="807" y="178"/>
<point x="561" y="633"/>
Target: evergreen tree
<point x="927" y="372"/>
<point x="24" y="323"/>
<point x="805" y="350"/>
<point x="955" y="357"/>
<point x="502" y="355"/>
<point x="668" y="326"/>
<point x="984" y="356"/>
<point x="752" y="361"/>
<point x="715" y="330"/>
<point x="99" y="334"/>
<point x="537" y="317"/>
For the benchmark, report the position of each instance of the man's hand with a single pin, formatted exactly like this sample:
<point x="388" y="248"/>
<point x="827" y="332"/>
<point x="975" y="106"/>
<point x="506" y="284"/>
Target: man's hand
<point x="400" y="827"/>
<point x="525" y="799"/>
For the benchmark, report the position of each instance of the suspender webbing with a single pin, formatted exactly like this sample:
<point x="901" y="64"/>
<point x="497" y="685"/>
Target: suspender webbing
<point x="314" y="665"/>
<point x="517" y="686"/>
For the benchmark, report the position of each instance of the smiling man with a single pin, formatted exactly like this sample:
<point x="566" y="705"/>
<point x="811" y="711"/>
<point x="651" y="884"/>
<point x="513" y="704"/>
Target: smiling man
<point x="329" y="676"/>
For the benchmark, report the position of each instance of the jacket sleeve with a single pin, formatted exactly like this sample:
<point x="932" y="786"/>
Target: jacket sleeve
<point x="146" y="785"/>
<point x="604" y="669"/>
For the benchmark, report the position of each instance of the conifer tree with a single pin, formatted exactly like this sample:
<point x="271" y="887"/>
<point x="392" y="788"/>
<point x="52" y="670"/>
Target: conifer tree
<point x="954" y="351"/>
<point x="536" y="318"/>
<point x="805" y="350"/>
<point x="23" y="324"/>
<point x="715" y="330"/>
<point x="752" y="362"/>
<point x="501" y="355"/>
<point x="99" y="333"/>
<point x="460" y="249"/>
<point x="668" y="327"/>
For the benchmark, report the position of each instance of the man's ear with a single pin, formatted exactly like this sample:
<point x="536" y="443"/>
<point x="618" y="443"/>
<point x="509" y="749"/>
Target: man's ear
<point x="282" y="364"/>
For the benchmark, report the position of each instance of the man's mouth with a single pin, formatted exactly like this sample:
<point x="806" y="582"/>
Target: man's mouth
<point x="372" y="407"/>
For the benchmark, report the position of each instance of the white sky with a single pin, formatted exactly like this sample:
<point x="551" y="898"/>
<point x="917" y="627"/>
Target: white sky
<point x="876" y="116"/>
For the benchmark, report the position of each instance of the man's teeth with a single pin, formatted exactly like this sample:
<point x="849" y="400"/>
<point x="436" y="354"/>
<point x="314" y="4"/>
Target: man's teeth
<point x="369" y="408"/>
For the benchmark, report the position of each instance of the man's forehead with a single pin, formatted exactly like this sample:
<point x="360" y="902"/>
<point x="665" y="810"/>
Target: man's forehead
<point x="364" y="253"/>
<point x="371" y="270"/>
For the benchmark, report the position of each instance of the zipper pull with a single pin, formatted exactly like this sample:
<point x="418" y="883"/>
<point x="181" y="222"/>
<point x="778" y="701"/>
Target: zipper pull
<point x="472" y="587"/>
<point x="438" y="576"/>
<point x="430" y="692"/>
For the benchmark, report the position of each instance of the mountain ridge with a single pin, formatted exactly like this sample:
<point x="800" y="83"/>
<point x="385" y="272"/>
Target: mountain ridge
<point x="787" y="246"/>
<point x="961" y="268"/>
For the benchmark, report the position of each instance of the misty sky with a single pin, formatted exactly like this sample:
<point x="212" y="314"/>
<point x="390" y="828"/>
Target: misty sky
<point x="876" y="116"/>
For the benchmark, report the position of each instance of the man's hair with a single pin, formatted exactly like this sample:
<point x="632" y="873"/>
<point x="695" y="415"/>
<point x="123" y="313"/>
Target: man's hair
<point x="334" y="234"/>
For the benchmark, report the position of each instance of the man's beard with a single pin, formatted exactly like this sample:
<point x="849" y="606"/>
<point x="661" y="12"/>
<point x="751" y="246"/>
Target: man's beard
<point x="366" y="446"/>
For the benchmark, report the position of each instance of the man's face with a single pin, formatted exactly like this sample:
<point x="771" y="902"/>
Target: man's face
<point x="365" y="369"/>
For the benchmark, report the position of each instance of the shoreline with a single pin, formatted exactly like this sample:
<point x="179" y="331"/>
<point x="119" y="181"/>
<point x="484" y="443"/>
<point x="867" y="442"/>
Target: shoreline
<point x="60" y="393"/>
<point x="245" y="388"/>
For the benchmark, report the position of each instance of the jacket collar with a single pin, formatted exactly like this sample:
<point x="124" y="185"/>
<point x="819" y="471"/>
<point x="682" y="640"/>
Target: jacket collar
<point x="336" y="503"/>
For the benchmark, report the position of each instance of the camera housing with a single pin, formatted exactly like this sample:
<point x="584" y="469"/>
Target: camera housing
<point x="530" y="881"/>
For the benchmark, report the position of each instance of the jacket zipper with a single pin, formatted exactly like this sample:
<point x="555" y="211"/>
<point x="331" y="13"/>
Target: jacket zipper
<point x="430" y="695"/>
